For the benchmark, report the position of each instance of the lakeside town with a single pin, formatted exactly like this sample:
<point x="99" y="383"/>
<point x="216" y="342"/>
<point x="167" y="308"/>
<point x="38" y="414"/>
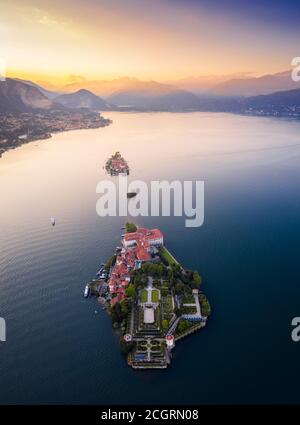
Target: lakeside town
<point x="19" y="128"/>
<point x="152" y="300"/>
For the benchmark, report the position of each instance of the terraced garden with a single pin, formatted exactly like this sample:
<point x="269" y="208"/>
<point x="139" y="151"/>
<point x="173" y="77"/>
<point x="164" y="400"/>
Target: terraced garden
<point x="143" y="296"/>
<point x="154" y="296"/>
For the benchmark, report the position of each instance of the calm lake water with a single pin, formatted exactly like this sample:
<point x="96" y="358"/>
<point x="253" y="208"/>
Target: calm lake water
<point x="60" y="347"/>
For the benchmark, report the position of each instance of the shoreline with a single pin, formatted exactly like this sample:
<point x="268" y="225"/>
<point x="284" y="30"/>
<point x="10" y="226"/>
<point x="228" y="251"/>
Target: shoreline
<point x="106" y="122"/>
<point x="51" y="125"/>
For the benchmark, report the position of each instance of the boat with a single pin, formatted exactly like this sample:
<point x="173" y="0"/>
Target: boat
<point x="131" y="194"/>
<point x="86" y="291"/>
<point x="53" y="221"/>
<point x="100" y="271"/>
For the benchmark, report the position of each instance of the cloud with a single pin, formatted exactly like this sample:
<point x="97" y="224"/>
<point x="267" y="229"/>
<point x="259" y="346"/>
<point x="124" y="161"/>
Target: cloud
<point x="75" y="78"/>
<point x="44" y="18"/>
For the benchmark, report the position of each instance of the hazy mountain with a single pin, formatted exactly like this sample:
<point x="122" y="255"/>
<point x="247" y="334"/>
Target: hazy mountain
<point x="150" y="95"/>
<point x="17" y="96"/>
<point x="171" y="100"/>
<point x="237" y="84"/>
<point x="20" y="96"/>
<point x="49" y="94"/>
<point x="83" y="99"/>
<point x="106" y="88"/>
<point x="204" y="83"/>
<point x="282" y="98"/>
<point x="256" y="86"/>
<point x="177" y="100"/>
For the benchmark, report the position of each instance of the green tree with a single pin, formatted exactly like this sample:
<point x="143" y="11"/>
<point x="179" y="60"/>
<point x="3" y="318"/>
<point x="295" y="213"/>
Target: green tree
<point x="179" y="288"/>
<point x="116" y="315"/>
<point x="110" y="262"/>
<point x="164" y="291"/>
<point x="124" y="309"/>
<point x="165" y="325"/>
<point x="196" y="282"/>
<point x="131" y="227"/>
<point x="126" y="347"/>
<point x="182" y="326"/>
<point x="130" y="290"/>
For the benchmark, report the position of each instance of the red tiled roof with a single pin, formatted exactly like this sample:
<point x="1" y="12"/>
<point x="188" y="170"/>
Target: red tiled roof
<point x="142" y="254"/>
<point x="126" y="260"/>
<point x="117" y="299"/>
<point x="148" y="234"/>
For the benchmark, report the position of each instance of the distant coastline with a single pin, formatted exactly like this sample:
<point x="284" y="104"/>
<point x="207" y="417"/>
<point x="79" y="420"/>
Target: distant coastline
<point x="28" y="112"/>
<point x="14" y="126"/>
<point x="20" y="128"/>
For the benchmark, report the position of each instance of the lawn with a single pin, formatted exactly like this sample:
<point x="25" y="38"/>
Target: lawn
<point x="167" y="257"/>
<point x="168" y="305"/>
<point x="143" y="296"/>
<point x="187" y="299"/>
<point x="154" y="295"/>
<point x="188" y="310"/>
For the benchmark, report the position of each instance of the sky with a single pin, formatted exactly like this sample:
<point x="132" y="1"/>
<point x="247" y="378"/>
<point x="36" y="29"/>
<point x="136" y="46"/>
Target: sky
<point x="70" y="40"/>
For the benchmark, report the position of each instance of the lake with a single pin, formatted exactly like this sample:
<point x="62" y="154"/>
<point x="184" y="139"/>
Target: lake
<point x="60" y="347"/>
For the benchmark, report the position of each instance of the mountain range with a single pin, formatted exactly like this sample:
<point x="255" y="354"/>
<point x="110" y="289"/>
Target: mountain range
<point x="18" y="96"/>
<point x="287" y="98"/>
<point x="83" y="99"/>
<point x="265" y="84"/>
<point x="224" y="85"/>
<point x="21" y="95"/>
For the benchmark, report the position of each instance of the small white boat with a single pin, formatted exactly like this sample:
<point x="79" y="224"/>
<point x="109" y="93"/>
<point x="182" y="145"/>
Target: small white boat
<point x="53" y="221"/>
<point x="86" y="291"/>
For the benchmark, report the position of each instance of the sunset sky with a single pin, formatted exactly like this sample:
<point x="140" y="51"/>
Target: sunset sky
<point x="66" y="40"/>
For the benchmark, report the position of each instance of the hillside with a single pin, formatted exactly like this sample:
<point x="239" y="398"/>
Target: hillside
<point x="107" y="88"/>
<point x="16" y="96"/>
<point x="256" y="86"/>
<point x="48" y="93"/>
<point x="281" y="98"/>
<point x="83" y="99"/>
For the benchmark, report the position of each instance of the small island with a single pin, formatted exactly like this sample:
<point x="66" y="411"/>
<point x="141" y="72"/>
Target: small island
<point x="152" y="300"/>
<point x="116" y="165"/>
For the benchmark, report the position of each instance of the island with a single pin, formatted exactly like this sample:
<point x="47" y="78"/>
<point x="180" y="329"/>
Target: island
<point x="116" y="165"/>
<point x="23" y="127"/>
<point x="152" y="300"/>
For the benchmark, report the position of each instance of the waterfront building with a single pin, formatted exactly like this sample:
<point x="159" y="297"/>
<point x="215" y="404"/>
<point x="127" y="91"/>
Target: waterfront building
<point x="137" y="248"/>
<point x="151" y="236"/>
